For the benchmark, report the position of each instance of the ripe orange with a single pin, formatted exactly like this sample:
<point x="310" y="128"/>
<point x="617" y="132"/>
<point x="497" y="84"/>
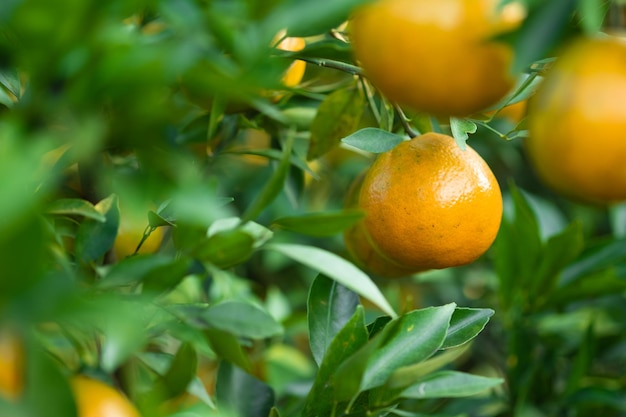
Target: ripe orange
<point x="96" y="399"/>
<point x="428" y="205"/>
<point x="577" y="122"/>
<point x="438" y="57"/>
<point x="11" y="364"/>
<point x="130" y="232"/>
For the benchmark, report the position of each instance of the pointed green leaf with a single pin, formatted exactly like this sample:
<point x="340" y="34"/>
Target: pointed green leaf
<point x="461" y="129"/>
<point x="465" y="324"/>
<point x="242" y="319"/>
<point x="75" y="207"/>
<point x="242" y="393"/>
<point x="320" y="224"/>
<point x="352" y="336"/>
<point x="415" y="337"/>
<point x="227" y="347"/>
<point x="95" y="238"/>
<point x="374" y="140"/>
<point x="450" y="384"/>
<point x="338" y="269"/>
<point x="225" y="249"/>
<point x="182" y="371"/>
<point x="330" y="307"/>
<point x="273" y="186"/>
<point x="337" y="117"/>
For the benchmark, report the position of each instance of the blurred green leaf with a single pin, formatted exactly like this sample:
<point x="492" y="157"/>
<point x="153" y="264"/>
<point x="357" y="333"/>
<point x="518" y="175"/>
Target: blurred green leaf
<point x="47" y="391"/>
<point x="541" y="31"/>
<point x="258" y="232"/>
<point x="336" y="268"/>
<point x="237" y="317"/>
<point x="273" y="186"/>
<point x="239" y="391"/>
<point x="592" y="13"/>
<point x="225" y="249"/>
<point x="582" y="362"/>
<point x="374" y="140"/>
<point x="330" y="307"/>
<point x="319" y="224"/>
<point x="617" y="215"/>
<point x="124" y="332"/>
<point x="227" y="347"/>
<point x="95" y="238"/>
<point x="337" y="117"/>
<point x="135" y="269"/>
<point x="515" y="267"/>
<point x="465" y="324"/>
<point x="448" y="384"/>
<point x="595" y="259"/>
<point x="181" y="372"/>
<point x="73" y="207"/>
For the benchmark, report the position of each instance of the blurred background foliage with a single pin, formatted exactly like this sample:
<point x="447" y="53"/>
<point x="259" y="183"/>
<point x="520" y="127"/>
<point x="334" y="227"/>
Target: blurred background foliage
<point x="173" y="111"/>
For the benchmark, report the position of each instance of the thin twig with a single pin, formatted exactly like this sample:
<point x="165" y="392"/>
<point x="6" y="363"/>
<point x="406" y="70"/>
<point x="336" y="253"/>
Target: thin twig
<point x="405" y="121"/>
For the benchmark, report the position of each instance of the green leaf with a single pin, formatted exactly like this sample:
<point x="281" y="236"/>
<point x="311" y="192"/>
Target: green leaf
<point x="225" y="249"/>
<point x="617" y="213"/>
<point x="515" y="267"/>
<point x="240" y="392"/>
<point x="374" y="140"/>
<point x="461" y="129"/>
<point x="259" y="233"/>
<point x="95" y="238"/>
<point x="412" y="338"/>
<point x="336" y="268"/>
<point x="409" y="375"/>
<point x="450" y="384"/>
<point x="135" y="269"/>
<point x="582" y="362"/>
<point x="10" y="79"/>
<point x="543" y="29"/>
<point x="156" y="220"/>
<point x="590" y="286"/>
<point x="592" y="13"/>
<point x="352" y="336"/>
<point x="75" y="207"/>
<point x="227" y="347"/>
<point x="337" y="116"/>
<point x="241" y="319"/>
<point x="320" y="224"/>
<point x="181" y="372"/>
<point x="124" y="332"/>
<point x="597" y="259"/>
<point x="465" y="324"/>
<point x="274" y="186"/>
<point x="330" y="307"/>
<point x="559" y="251"/>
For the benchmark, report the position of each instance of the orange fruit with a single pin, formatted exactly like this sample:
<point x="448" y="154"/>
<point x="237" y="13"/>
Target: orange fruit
<point x="437" y="57"/>
<point x="96" y="399"/>
<point x="428" y="204"/>
<point x="577" y="122"/>
<point x="11" y="364"/>
<point x="132" y="225"/>
<point x="295" y="72"/>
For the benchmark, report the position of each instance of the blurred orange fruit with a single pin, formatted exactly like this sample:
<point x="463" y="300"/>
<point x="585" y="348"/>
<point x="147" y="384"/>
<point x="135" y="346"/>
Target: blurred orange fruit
<point x="133" y="224"/>
<point x="11" y="364"/>
<point x="438" y="57"/>
<point x="577" y="122"/>
<point x="428" y="204"/>
<point x="96" y="399"/>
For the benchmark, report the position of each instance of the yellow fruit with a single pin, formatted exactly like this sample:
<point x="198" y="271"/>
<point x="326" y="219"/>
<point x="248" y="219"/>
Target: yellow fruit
<point x="295" y="72"/>
<point x="11" y="365"/>
<point x="96" y="399"/>
<point x="577" y="122"/>
<point x="438" y="57"/>
<point x="130" y="232"/>
<point x="428" y="205"/>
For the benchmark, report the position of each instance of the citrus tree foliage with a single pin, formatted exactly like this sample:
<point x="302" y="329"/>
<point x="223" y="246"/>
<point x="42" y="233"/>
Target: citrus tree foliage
<point x="250" y="306"/>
